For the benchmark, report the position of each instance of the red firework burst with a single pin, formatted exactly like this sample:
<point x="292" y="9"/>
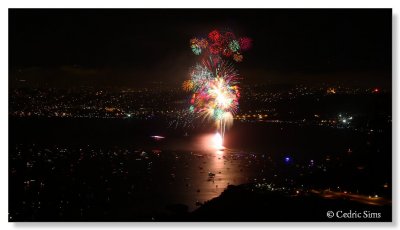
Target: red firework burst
<point x="214" y="35"/>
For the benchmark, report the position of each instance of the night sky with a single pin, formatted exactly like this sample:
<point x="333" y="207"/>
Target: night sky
<point x="134" y="47"/>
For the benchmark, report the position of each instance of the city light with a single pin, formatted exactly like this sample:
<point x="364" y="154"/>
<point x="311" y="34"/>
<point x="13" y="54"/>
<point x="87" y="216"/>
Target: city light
<point x="287" y="159"/>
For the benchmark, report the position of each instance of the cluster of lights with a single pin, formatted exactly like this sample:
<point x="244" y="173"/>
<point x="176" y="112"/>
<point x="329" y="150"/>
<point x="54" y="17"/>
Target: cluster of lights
<point x="345" y="119"/>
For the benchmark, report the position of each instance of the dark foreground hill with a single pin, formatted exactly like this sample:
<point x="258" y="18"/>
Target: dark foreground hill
<point x="242" y="203"/>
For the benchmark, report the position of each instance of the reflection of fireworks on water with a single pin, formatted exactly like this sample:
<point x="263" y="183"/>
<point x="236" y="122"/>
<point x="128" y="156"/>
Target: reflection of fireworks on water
<point x="214" y="82"/>
<point x="217" y="141"/>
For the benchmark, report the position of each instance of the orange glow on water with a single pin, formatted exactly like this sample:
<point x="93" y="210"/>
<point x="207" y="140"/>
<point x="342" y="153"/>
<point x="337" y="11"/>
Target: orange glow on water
<point x="217" y="141"/>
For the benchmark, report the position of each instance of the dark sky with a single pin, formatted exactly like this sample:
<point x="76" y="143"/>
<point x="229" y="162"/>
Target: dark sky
<point x="134" y="47"/>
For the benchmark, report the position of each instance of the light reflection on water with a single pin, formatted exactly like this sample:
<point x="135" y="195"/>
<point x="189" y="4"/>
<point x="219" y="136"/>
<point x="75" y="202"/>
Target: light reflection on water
<point x="210" y="170"/>
<point x="149" y="174"/>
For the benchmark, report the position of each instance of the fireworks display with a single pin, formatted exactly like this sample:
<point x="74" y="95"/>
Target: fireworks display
<point x="220" y="43"/>
<point x="214" y="80"/>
